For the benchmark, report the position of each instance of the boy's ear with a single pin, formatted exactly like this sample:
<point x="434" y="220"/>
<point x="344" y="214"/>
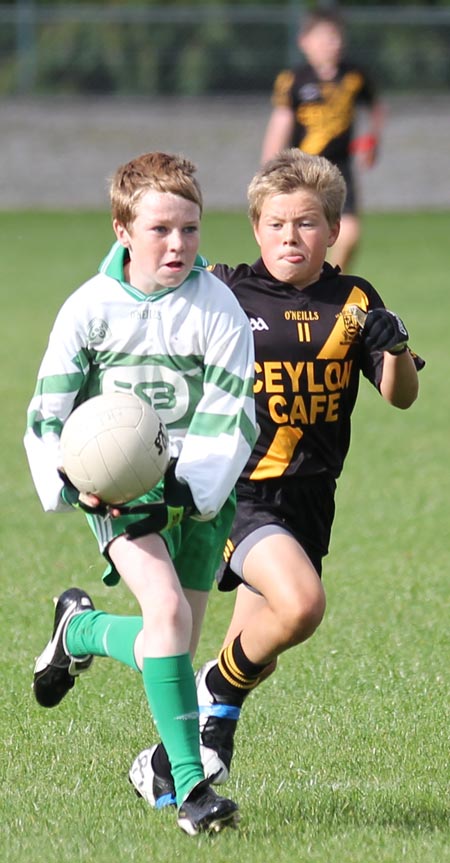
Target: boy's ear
<point x="256" y="232"/>
<point x="334" y="233"/>
<point x="121" y="233"/>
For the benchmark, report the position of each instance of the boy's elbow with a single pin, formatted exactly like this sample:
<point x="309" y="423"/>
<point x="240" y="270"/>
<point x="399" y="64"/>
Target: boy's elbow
<point x="406" y="399"/>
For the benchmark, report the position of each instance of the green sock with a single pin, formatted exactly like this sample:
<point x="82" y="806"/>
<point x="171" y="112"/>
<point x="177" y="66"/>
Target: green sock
<point x="170" y="686"/>
<point x="104" y="635"/>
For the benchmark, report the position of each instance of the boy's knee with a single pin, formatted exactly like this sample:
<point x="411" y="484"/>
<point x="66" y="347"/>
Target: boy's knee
<point x="303" y="615"/>
<point x="173" y="610"/>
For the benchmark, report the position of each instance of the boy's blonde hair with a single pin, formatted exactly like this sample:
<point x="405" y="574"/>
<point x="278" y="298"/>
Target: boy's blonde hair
<point x="291" y="170"/>
<point x="158" y="172"/>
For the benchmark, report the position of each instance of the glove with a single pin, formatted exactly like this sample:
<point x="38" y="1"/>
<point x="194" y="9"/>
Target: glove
<point x="384" y="331"/>
<point x="71" y="495"/>
<point x="178" y="503"/>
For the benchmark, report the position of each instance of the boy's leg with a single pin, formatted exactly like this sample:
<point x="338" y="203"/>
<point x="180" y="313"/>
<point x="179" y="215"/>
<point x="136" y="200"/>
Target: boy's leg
<point x="169" y="682"/>
<point x="222" y="687"/>
<point x="281" y="614"/>
<point x="146" y="568"/>
<point x="169" y="678"/>
<point x="197" y="562"/>
<point x="167" y="670"/>
<point x="108" y="635"/>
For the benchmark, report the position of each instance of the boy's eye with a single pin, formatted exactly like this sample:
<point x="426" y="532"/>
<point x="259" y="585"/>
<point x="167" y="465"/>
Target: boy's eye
<point x="190" y="229"/>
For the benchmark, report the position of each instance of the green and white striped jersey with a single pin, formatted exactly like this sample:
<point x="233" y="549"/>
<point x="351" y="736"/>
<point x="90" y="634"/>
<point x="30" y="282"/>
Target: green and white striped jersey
<point x="188" y="351"/>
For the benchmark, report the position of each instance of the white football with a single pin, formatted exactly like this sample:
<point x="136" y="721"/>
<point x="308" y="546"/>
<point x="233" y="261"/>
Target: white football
<point x="114" y="446"/>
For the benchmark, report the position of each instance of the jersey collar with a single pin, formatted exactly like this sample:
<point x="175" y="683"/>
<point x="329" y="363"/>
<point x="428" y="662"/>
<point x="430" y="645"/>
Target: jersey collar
<point x="113" y="266"/>
<point x="328" y="272"/>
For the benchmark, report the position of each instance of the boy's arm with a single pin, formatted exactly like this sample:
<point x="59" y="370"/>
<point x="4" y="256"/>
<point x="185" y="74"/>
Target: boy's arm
<point x="399" y="383"/>
<point x="43" y="459"/>
<point x="279" y="132"/>
<point x="222" y="432"/>
<point x="60" y="377"/>
<point x="366" y="146"/>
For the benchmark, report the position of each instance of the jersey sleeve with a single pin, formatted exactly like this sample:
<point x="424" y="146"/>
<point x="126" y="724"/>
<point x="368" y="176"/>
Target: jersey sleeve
<point x="60" y="378"/>
<point x="222" y="433"/>
<point x="282" y="89"/>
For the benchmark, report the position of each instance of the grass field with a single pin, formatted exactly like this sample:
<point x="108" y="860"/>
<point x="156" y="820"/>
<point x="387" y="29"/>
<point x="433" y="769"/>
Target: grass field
<point x="343" y="755"/>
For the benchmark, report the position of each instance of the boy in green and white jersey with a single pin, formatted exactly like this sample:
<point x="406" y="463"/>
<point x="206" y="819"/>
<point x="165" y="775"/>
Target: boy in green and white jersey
<point x="154" y="322"/>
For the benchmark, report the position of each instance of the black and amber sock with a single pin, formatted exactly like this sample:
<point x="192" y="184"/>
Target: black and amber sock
<point x="235" y="675"/>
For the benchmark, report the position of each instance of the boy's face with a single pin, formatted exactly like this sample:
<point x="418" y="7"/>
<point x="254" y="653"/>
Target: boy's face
<point x="294" y="235"/>
<point x="322" y="45"/>
<point x="163" y="241"/>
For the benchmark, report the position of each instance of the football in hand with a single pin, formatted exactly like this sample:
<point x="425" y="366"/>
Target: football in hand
<point x="114" y="446"/>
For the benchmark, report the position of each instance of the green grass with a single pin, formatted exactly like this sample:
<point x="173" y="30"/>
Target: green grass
<point x="343" y="754"/>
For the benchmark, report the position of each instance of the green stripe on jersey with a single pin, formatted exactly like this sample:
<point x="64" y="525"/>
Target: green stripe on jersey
<point x="229" y="382"/>
<point x="42" y="427"/>
<point x="178" y="362"/>
<point x="70" y="383"/>
<point x="213" y="425"/>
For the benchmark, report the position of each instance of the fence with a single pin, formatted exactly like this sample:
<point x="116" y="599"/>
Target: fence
<point x="200" y="50"/>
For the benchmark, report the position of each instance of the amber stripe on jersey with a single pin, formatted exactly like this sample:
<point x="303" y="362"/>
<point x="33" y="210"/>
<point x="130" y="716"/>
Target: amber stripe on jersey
<point x="279" y="455"/>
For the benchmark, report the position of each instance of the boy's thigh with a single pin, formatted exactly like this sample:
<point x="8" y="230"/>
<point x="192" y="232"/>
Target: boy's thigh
<point x="195" y="547"/>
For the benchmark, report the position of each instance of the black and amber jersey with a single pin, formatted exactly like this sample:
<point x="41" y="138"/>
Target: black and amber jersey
<point x="309" y="356"/>
<point x="324" y="110"/>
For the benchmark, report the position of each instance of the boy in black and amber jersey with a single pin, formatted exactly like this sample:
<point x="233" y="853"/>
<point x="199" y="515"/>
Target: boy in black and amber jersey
<point x="315" y="331"/>
<point x="309" y="356"/>
<point x="314" y="108"/>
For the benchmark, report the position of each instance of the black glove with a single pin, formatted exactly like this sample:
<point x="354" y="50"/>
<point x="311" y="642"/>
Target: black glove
<point x="71" y="495"/>
<point x="163" y="515"/>
<point x="384" y="331"/>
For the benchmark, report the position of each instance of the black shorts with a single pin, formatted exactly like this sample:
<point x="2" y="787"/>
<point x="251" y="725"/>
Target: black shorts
<point x="303" y="507"/>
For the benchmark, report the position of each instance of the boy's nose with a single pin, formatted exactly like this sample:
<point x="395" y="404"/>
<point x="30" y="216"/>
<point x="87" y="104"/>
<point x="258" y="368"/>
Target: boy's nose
<point x="289" y="234"/>
<point x="176" y="240"/>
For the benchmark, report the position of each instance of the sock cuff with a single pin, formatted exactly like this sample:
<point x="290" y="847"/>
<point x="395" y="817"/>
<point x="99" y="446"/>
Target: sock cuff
<point x="163" y="667"/>
<point x="236" y="668"/>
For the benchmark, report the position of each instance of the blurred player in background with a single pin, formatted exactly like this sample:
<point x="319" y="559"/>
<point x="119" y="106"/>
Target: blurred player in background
<point x="315" y="331"/>
<point x="314" y="108"/>
<point x="152" y="321"/>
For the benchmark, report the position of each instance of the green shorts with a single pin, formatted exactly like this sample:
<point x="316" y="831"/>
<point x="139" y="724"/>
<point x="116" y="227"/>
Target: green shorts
<point x="195" y="547"/>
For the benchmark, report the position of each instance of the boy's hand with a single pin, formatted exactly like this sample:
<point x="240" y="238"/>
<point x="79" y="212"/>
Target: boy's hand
<point x="159" y="516"/>
<point x="80" y="500"/>
<point x="365" y="148"/>
<point x="162" y="515"/>
<point x="384" y="331"/>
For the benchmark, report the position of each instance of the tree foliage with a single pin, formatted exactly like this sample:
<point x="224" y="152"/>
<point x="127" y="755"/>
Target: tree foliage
<point x="205" y="46"/>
